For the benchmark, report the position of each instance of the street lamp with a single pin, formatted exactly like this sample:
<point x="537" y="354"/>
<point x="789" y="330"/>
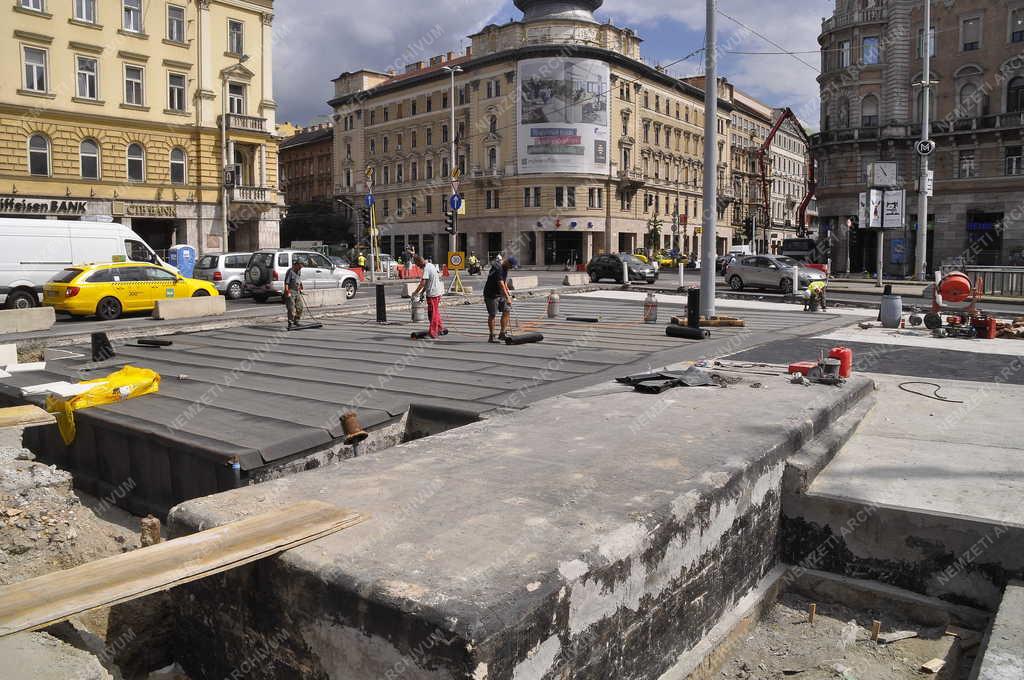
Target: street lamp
<point x="225" y="203"/>
<point x="453" y="238"/>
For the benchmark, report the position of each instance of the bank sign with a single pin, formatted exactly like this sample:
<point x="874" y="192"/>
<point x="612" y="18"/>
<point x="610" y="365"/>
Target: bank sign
<point x="13" y="205"/>
<point x="563" y="116"/>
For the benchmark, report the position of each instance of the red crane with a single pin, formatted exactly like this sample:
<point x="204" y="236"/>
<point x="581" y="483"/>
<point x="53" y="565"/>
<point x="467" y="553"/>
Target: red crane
<point x="766" y="181"/>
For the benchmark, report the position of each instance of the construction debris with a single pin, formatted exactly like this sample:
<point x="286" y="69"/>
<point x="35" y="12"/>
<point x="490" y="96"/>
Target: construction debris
<point x="896" y="636"/>
<point x="933" y="666"/>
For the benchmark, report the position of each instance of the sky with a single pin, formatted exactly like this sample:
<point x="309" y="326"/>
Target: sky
<point x="315" y="40"/>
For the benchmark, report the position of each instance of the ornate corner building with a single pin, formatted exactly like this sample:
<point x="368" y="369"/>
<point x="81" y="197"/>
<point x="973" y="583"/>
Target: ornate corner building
<point x="567" y="142"/>
<point x="115" y="108"/>
<point x="872" y="58"/>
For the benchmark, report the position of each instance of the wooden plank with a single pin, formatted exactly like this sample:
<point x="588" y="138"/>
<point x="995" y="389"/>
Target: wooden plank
<point x="24" y="416"/>
<point x="43" y="601"/>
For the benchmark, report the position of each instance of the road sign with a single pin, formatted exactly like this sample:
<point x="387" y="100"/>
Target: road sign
<point x="929" y="185"/>
<point x="925" y="147"/>
<point x="456" y="261"/>
<point x="455" y="203"/>
<point x="698" y="231"/>
<point x="370" y="200"/>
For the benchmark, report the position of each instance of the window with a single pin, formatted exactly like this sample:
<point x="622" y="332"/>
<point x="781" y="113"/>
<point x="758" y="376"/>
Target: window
<point x="430" y="169"/>
<point x="387" y="174"/>
<point x="414" y="173"/>
<point x="373" y="146"/>
<point x="236" y="37"/>
<point x="430" y="136"/>
<point x="399" y="173"/>
<point x="444" y="134"/>
<point x="565" y="197"/>
<point x="236" y="98"/>
<point x="1014" y="160"/>
<point x="1017" y="25"/>
<point x="414" y="139"/>
<point x="870" y="50"/>
<point x="136" y="163"/>
<point x="133" y="85"/>
<point x="132" y="16"/>
<point x="35" y="69"/>
<point x="967" y="166"/>
<point x="413" y="207"/>
<point x="429" y="205"/>
<point x="161" y="275"/>
<point x="179" y="166"/>
<point x="89" y="159"/>
<point x="595" y="198"/>
<point x="430" y="103"/>
<point x="1015" y="95"/>
<point x="968" y="103"/>
<point x="931" y="42"/>
<point x="176" y="91"/>
<point x="844" y="54"/>
<point x="175" y="23"/>
<point x="492" y="158"/>
<point x="86" y="77"/>
<point x="445" y="168"/>
<point x="387" y="144"/>
<point x="85" y="10"/>
<point x="869" y="111"/>
<point x="39" y="155"/>
<point x="34" y="5"/>
<point x="531" y="197"/>
<point x="412" y="108"/>
<point x="970" y="34"/>
<point x="444" y="100"/>
<point x="492" y="199"/>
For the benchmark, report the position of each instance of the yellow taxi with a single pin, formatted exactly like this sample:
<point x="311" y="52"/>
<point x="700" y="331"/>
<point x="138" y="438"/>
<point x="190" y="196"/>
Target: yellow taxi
<point x="110" y="290"/>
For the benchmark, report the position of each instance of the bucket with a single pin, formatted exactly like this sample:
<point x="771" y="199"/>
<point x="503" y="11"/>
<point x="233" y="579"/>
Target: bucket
<point x="892" y="311"/>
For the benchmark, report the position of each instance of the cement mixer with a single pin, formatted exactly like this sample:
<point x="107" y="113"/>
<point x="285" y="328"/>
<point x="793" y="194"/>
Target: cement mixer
<point x="953" y="292"/>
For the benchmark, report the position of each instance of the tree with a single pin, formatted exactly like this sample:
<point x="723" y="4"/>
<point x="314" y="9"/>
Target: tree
<point x="654" y="227"/>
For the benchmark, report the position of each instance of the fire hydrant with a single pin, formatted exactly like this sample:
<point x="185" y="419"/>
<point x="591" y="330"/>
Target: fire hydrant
<point x="553" y="300"/>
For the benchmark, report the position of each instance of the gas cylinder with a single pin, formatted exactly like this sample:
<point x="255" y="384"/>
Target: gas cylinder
<point x="553" y="300"/>
<point x="651" y="309"/>
<point x="845" y="356"/>
<point x="419" y="308"/>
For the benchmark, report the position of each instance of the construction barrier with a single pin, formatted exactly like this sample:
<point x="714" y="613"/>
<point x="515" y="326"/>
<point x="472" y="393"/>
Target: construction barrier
<point x="523" y="282"/>
<point x="189" y="308"/>
<point x="26" y="320"/>
<point x="576" y="279"/>
<point x="325" y="297"/>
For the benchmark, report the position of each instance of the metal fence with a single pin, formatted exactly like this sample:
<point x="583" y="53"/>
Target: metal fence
<point x="998" y="281"/>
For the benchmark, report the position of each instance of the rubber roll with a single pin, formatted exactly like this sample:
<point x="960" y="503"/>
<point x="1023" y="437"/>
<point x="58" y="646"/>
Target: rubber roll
<point x="687" y="332"/>
<point x="524" y="339"/>
<point x="584" y="319"/>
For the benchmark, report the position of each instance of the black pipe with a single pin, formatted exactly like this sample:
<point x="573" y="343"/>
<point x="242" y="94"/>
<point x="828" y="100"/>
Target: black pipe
<point x="382" y="309"/>
<point x="693" y="308"/>
<point x="686" y="332"/>
<point x="584" y="319"/>
<point x="153" y="342"/>
<point x="524" y="339"/>
<point x="419" y="335"/>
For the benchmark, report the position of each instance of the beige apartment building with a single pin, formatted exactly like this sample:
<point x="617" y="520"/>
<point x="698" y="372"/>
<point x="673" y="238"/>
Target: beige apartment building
<point x="872" y="60"/>
<point x="568" y="144"/>
<point x="113" y="109"/>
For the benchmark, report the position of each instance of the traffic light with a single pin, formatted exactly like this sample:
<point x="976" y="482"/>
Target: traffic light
<point x="364" y="218"/>
<point x="451" y="221"/>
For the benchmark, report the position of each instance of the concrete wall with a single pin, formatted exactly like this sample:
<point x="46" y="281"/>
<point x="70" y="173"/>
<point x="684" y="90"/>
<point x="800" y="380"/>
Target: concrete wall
<point x="189" y="308"/>
<point x="26" y="320"/>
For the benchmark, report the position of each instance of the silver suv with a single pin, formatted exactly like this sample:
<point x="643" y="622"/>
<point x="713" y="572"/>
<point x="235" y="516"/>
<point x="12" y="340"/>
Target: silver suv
<point x="769" y="271"/>
<point x="226" y="271"/>
<point x="264" y="275"/>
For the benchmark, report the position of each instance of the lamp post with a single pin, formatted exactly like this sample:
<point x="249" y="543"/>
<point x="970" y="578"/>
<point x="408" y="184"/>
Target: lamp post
<point x="709" y="237"/>
<point x="453" y="238"/>
<point x="921" y="246"/>
<point x="225" y="202"/>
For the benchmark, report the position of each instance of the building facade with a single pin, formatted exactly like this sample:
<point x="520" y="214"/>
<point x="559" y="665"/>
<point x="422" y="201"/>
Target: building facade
<point x="307" y="165"/>
<point x="568" y="144"/>
<point x="113" y="109"/>
<point x="789" y="160"/>
<point x="872" y="61"/>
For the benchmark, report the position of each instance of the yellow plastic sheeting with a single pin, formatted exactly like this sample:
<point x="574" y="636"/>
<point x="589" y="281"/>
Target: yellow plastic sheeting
<point x="128" y="383"/>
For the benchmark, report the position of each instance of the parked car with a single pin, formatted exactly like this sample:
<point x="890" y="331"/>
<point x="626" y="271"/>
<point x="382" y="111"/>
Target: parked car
<point x="109" y="290"/>
<point x="225" y="271"/>
<point x="769" y="271"/>
<point x="35" y="250"/>
<point x="264" y="275"/>
<point x="610" y="267"/>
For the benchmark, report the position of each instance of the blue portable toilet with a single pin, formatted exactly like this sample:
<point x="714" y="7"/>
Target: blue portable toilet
<point x="183" y="258"/>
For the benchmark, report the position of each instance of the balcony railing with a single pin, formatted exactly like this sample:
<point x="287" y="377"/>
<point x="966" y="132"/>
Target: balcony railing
<point x="244" y="194"/>
<point x="247" y="123"/>
<point x="861" y="16"/>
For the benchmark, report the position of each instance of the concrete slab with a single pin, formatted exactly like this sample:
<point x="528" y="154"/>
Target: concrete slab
<point x="540" y="543"/>
<point x="1003" y="657"/>
<point x="523" y="282"/>
<point x="27" y="320"/>
<point x="576" y="279"/>
<point x="190" y="308"/>
<point x="38" y="656"/>
<point x="325" y="297"/>
<point x="924" y="340"/>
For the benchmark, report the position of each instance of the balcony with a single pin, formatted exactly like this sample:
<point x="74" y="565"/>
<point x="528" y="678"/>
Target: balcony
<point x="873" y="15"/>
<point x="245" y="194"/>
<point x="246" y="123"/>
<point x="631" y="180"/>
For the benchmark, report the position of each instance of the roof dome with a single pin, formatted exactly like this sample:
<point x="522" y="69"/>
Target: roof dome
<point x="579" y="10"/>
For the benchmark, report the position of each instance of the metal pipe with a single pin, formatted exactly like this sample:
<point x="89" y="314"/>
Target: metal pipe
<point x="708" y="242"/>
<point x="922" y="193"/>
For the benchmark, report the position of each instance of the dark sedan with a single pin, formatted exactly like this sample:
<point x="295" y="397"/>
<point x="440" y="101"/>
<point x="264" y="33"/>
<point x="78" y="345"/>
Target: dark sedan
<point x="611" y="267"/>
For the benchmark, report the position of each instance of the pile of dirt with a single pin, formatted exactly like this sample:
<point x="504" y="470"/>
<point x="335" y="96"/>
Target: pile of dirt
<point x="837" y="646"/>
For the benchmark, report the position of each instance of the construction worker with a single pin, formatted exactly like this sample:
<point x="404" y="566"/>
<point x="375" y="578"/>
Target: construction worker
<point x="293" y="293"/>
<point x="432" y="287"/>
<point x="361" y="260"/>
<point x="814" y="296"/>
<point x="474" y="264"/>
<point x="497" y="297"/>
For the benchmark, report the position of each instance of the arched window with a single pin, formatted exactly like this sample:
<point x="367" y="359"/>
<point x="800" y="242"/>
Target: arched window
<point x="969" y="102"/>
<point x="39" y="155"/>
<point x="136" y="163"/>
<point x="492" y="158"/>
<point x="89" y="159"/>
<point x="179" y="166"/>
<point x="869" y="111"/>
<point x="1015" y="95"/>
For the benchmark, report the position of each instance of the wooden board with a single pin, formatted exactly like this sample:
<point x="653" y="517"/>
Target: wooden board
<point x="24" y="416"/>
<point x="49" y="599"/>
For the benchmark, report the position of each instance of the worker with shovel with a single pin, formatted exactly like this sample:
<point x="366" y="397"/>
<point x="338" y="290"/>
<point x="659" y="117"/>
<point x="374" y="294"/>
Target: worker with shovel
<point x="433" y="288"/>
<point x="497" y="297"/>
<point x="293" y="294"/>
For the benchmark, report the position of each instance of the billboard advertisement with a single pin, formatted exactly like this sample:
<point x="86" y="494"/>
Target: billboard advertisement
<point x="563" y="116"/>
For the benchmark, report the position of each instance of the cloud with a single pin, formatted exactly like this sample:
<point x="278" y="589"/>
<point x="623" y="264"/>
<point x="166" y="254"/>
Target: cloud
<point x="315" y="40"/>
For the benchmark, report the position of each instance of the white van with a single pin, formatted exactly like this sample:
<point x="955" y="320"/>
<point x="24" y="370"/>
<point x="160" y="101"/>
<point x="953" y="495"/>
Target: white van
<point x="32" y="251"/>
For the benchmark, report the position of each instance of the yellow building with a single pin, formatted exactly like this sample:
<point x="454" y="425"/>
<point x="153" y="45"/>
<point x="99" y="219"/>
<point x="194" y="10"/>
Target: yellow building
<point x="114" y="108"/>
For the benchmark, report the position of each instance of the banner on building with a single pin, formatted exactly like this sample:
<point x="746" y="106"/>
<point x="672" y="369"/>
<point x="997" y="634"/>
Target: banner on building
<point x="563" y="116"/>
